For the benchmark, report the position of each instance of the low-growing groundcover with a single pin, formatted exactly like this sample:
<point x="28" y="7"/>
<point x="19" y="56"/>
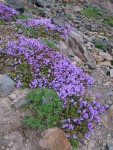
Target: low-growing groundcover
<point x="42" y="27"/>
<point x="64" y="101"/>
<point x="46" y="111"/>
<point x="99" y="15"/>
<point x="36" y="65"/>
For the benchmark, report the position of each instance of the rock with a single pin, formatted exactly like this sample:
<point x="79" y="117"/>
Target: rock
<point x="99" y="59"/>
<point x="105" y="63"/>
<point x="107" y="119"/>
<point x="77" y="60"/>
<point x="7" y="85"/>
<point x="106" y="56"/>
<point x="111" y="73"/>
<point x="76" y="39"/>
<point x="12" y="96"/>
<point x="110" y="93"/>
<point x="22" y="2"/>
<point x="42" y="12"/>
<point x="77" y="36"/>
<point x="58" y="20"/>
<point x="62" y="46"/>
<point x="109" y="147"/>
<point x="42" y="3"/>
<point x="87" y="38"/>
<point x="10" y="144"/>
<point x="85" y="142"/>
<point x="109" y="102"/>
<point x="16" y="5"/>
<point x="20" y="103"/>
<point x="20" y="31"/>
<point x="104" y="144"/>
<point x="70" y="53"/>
<point x="76" y="9"/>
<point x="54" y="139"/>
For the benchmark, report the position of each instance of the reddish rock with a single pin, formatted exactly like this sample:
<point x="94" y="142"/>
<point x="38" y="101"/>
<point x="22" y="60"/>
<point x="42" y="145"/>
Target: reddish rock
<point x="55" y="139"/>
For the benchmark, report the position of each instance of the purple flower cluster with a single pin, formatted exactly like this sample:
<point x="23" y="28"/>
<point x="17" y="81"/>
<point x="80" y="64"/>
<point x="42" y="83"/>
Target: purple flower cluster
<point x="63" y="76"/>
<point x="6" y="12"/>
<point x="47" y="24"/>
<point x="88" y="112"/>
<point x="52" y="69"/>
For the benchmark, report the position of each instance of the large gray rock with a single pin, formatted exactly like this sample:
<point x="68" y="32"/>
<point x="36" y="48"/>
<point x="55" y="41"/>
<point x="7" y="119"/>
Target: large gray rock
<point x="105" y="56"/>
<point x="58" y="20"/>
<point x="42" y="3"/>
<point x="18" y="5"/>
<point x="6" y="85"/>
<point x="109" y="147"/>
<point x="74" y="40"/>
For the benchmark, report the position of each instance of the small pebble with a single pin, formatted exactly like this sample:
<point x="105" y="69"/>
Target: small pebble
<point x="10" y="144"/>
<point x="109" y="102"/>
<point x="104" y="144"/>
<point x="85" y="142"/>
<point x="2" y="147"/>
<point x="103" y="148"/>
<point x="12" y="96"/>
<point x="20" y="31"/>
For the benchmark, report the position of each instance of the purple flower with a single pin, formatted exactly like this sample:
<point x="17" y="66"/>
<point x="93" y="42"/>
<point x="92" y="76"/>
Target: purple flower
<point x="70" y="127"/>
<point x="65" y="125"/>
<point x="74" y="136"/>
<point x="85" y="115"/>
<point x="89" y="125"/>
<point x="74" y="103"/>
<point x="51" y="98"/>
<point x="75" y="120"/>
<point x="71" y="101"/>
<point x="48" y="68"/>
<point x="18" y="83"/>
<point x="65" y="120"/>
<point x="68" y="120"/>
<point x="97" y="118"/>
<point x="94" y="101"/>
<point x="87" y="134"/>
<point x="97" y="96"/>
<point x="67" y="135"/>
<point x="106" y="106"/>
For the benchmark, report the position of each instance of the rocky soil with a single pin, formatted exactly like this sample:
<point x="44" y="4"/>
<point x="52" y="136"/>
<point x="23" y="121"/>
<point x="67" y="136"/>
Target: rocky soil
<point x="79" y="47"/>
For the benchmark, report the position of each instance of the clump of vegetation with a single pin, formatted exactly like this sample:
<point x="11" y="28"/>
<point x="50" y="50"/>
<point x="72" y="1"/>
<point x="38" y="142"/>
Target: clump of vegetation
<point x="42" y="27"/>
<point x="23" y="16"/>
<point x="99" y="44"/>
<point x="47" y="110"/>
<point x="51" y="44"/>
<point x="99" y="15"/>
<point x="2" y="22"/>
<point x="93" y="12"/>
